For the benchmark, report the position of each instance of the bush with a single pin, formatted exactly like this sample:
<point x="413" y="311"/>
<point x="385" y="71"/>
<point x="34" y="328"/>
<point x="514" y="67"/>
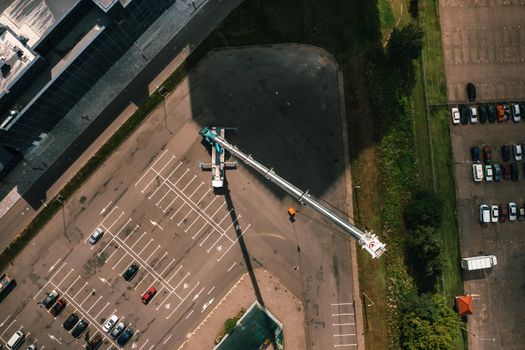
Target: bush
<point x="229" y="325"/>
<point x="425" y="209"/>
<point x="428" y="323"/>
<point x="405" y="44"/>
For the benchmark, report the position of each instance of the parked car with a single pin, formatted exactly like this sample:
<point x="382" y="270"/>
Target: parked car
<point x="505" y="153"/>
<point x="516" y="113"/>
<point x="70" y="321"/>
<point x="514" y="173"/>
<point x="96" y="235"/>
<point x="477" y="172"/>
<point x="80" y="328"/>
<point x="58" y="307"/>
<point x="125" y="337"/>
<point x="463" y="114"/>
<point x="497" y="172"/>
<point x="31" y="347"/>
<point x="454" y="112"/>
<point x="489" y="174"/>
<point x="483" y="113"/>
<point x="473" y="114"/>
<point x="94" y="343"/>
<point x="493" y="114"/>
<point x="484" y="213"/>
<point x="474" y="153"/>
<point x="503" y="213"/>
<point x="148" y="295"/>
<point x="487" y="154"/>
<point x="506" y="171"/>
<point x="130" y="272"/>
<point x="50" y="299"/>
<point x="110" y="323"/>
<point x="521" y="214"/>
<point x="506" y="109"/>
<point x="494" y="213"/>
<point x="518" y="152"/>
<point x="513" y="211"/>
<point x="500" y="112"/>
<point x="471" y="92"/>
<point x="117" y="330"/>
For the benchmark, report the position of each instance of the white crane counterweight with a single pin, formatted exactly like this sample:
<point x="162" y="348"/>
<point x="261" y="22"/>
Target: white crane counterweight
<point x="367" y="240"/>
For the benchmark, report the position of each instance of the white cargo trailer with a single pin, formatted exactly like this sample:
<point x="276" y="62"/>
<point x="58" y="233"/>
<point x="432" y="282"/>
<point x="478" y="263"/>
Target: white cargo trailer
<point x="479" y="262"/>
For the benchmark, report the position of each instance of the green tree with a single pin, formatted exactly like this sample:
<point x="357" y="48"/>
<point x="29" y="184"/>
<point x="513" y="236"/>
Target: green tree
<point x="229" y="325"/>
<point x="405" y="44"/>
<point x="426" y="251"/>
<point x="428" y="323"/>
<point x="425" y="209"/>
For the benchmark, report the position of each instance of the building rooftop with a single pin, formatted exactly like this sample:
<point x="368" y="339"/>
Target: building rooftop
<point x="34" y="19"/>
<point x="14" y="58"/>
<point x="106" y="5"/>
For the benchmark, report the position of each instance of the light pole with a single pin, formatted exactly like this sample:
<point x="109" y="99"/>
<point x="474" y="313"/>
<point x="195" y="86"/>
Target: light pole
<point x="356" y="193"/>
<point x="61" y="201"/>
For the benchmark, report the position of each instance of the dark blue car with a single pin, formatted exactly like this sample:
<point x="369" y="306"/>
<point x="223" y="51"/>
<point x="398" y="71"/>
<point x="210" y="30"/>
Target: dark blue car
<point x="125" y="337"/>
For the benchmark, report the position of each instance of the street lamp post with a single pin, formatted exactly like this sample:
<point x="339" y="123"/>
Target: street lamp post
<point x="61" y="201"/>
<point x="356" y="193"/>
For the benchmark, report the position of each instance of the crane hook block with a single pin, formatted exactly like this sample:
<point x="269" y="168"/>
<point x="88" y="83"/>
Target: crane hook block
<point x="291" y="212"/>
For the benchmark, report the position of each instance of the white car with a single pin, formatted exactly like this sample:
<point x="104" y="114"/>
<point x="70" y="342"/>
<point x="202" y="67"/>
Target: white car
<point x="494" y="213"/>
<point x="95" y="236"/>
<point x="455" y="115"/>
<point x="117" y="330"/>
<point x="518" y="152"/>
<point x="513" y="211"/>
<point x="477" y="172"/>
<point x="516" y="113"/>
<point x="473" y="115"/>
<point x="484" y="213"/>
<point x="489" y="173"/>
<point x="110" y="323"/>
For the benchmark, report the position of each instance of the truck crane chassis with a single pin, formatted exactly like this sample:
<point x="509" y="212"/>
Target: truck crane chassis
<point x="366" y="239"/>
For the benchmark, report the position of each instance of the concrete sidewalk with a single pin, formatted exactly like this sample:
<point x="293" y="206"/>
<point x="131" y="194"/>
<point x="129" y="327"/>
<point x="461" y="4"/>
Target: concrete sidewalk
<point x="285" y="306"/>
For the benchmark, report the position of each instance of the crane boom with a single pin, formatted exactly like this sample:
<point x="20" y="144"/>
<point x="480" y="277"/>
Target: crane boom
<point x="367" y="240"/>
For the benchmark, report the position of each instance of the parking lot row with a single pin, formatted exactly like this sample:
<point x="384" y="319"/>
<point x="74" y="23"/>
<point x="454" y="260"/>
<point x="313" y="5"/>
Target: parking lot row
<point x="487" y="112"/>
<point x="10" y="325"/>
<point x="501" y="213"/>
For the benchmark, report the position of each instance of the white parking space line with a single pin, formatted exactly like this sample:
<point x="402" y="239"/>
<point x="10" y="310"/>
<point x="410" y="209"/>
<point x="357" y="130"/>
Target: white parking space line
<point x="134" y="244"/>
<point x="104" y="308"/>
<point x="5" y="330"/>
<point x="345" y="345"/>
<point x="172" y="261"/>
<point x="165" y="165"/>
<point x="180" y="178"/>
<point x="203" y="226"/>
<point x="185" y="187"/>
<point x="114" y="222"/>
<point x="4" y="321"/>
<point x="194" y="221"/>
<point x="337" y="304"/>
<point x="87" y="297"/>
<point x="208" y="236"/>
<point x="225" y="216"/>
<point x="107" y="245"/>
<point x="158" y="261"/>
<point x="144" y="344"/>
<point x="142" y="280"/>
<point x="150" y="240"/>
<point x="231" y="267"/>
<point x="191" y="195"/>
<point x="184" y="218"/>
<point x="214" y="198"/>
<point x="122" y="228"/>
<point x="109" y="258"/>
<point x="158" y="188"/>
<point x="343" y="324"/>
<point x="216" y="211"/>
<point x="118" y="262"/>
<point x="69" y="273"/>
<point x="95" y="303"/>
<point x="211" y="290"/>
<point x="344" y="314"/>
<point x="173" y="200"/>
<point x="174" y="170"/>
<point x="81" y="289"/>
<point x="147" y="171"/>
<point x="344" y="335"/>
<point x="167" y="339"/>
<point x="182" y="206"/>
<point x="162" y="198"/>
<point x="209" y="190"/>
<point x="188" y="315"/>
<point x="214" y="243"/>
<point x="132" y="232"/>
<point x="182" y="280"/>
<point x="149" y="183"/>
<point x="72" y="284"/>
<point x="158" y="246"/>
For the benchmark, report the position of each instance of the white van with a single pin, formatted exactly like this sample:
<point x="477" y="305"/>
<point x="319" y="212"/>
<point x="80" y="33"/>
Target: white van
<point x="15" y="341"/>
<point x="516" y="113"/>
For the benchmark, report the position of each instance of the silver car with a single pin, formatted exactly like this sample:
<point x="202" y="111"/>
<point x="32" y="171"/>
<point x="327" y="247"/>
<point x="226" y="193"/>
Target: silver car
<point x="119" y="328"/>
<point x="95" y="236"/>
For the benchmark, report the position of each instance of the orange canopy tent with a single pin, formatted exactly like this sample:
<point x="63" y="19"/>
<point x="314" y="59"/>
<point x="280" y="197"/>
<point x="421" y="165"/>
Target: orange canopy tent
<point x="464" y="303"/>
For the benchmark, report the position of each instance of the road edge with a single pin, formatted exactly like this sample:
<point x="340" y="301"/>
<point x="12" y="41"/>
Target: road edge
<point x="358" y="307"/>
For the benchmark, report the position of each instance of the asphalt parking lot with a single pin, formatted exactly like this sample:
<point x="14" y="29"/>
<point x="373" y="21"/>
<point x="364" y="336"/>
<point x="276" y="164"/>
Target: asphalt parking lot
<point x="484" y="43"/>
<point x="158" y="211"/>
<point x="498" y="293"/>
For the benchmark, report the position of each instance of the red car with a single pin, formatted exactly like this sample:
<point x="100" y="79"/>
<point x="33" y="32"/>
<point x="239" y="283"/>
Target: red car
<point x="487" y="154"/>
<point x="150" y="293"/>
<point x="503" y="213"/>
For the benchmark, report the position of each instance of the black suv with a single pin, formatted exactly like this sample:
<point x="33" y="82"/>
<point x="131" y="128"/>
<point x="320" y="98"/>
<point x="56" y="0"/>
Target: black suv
<point x="505" y="153"/>
<point x="80" y="328"/>
<point x="474" y="153"/>
<point x="123" y="339"/>
<point x="514" y="173"/>
<point x="464" y="114"/>
<point x="471" y="92"/>
<point x="70" y="322"/>
<point x="483" y="113"/>
<point x="94" y="343"/>
<point x="493" y="115"/>
<point x="130" y="272"/>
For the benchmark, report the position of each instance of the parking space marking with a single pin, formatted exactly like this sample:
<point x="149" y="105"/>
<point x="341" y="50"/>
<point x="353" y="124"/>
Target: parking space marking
<point x="90" y="293"/>
<point x="182" y="301"/>
<point x="7" y="327"/>
<point x="185" y="187"/>
<point x="104" y="308"/>
<point x="184" y="218"/>
<point x="150" y="240"/>
<point x="133" y="246"/>
<point x="132" y="232"/>
<point x="211" y="290"/>
<point x="231" y="267"/>
<point x="194" y="221"/>
<point x="167" y="339"/>
<point x="182" y="280"/>
<point x="187" y="316"/>
<point x="142" y="280"/>
<point x="81" y="289"/>
<point x="118" y="262"/>
<point x="95" y="303"/>
<point x="191" y="195"/>
<point x="109" y="258"/>
<point x="158" y="246"/>
<point x="114" y="222"/>
<point x="195" y="235"/>
<point x="162" y="155"/>
<point x="169" y="205"/>
<point x="209" y="190"/>
<point x="162" y="198"/>
<point x="72" y="284"/>
<point x="180" y="178"/>
<point x="144" y="344"/>
<point x="242" y="233"/>
<point x="158" y="261"/>
<point x="172" y="261"/>
<point x="171" y="217"/>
